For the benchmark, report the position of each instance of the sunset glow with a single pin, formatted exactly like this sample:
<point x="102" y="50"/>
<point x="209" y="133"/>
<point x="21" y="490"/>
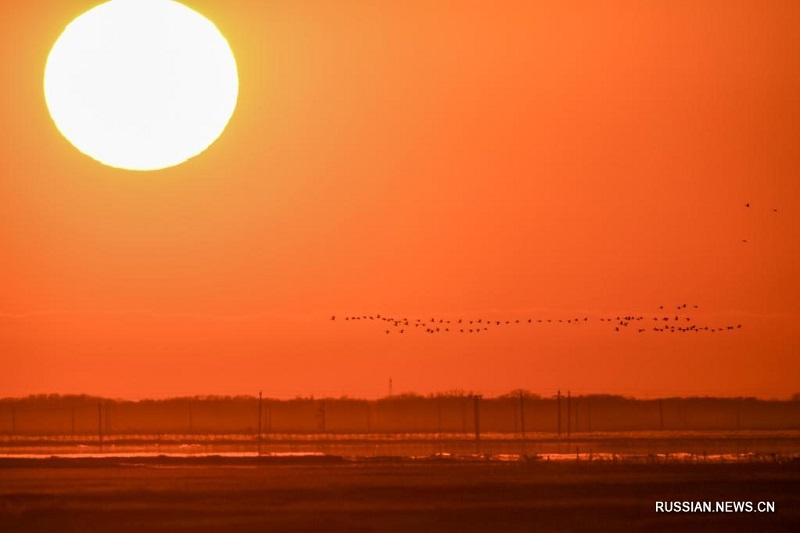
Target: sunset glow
<point x="580" y="163"/>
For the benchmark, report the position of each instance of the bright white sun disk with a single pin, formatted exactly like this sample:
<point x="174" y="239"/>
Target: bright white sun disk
<point x="141" y="84"/>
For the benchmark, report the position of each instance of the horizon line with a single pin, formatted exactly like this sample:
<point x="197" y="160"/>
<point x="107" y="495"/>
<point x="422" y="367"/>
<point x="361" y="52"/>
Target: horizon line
<point x="453" y="393"/>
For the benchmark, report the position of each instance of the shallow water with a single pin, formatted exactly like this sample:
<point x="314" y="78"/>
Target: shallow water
<point x="655" y="445"/>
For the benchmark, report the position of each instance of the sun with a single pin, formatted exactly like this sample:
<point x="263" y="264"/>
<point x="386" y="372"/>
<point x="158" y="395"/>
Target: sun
<point x="141" y="84"/>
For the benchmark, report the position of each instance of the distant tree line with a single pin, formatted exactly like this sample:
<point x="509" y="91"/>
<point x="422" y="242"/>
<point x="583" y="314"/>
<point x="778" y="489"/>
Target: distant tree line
<point x="518" y="412"/>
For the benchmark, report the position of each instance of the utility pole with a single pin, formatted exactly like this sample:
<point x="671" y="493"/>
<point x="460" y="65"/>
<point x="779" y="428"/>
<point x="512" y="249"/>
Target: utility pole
<point x="439" y="415"/>
<point x="589" y="414"/>
<point x="259" y="422"/>
<point x="100" y="424"/>
<point x="569" y="413"/>
<point x="477" y="402"/>
<point x="558" y="410"/>
<point x="464" y="415"/>
<point x="738" y="413"/>
<point x="439" y="427"/>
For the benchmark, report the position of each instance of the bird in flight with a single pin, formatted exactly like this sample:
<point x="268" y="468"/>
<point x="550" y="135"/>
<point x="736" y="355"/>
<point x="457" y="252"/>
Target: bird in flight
<point x="622" y="321"/>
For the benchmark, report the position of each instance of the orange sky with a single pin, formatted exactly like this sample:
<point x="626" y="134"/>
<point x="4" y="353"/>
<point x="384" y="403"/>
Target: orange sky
<point x="424" y="159"/>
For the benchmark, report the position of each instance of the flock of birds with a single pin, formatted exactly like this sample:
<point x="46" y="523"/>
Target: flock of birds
<point x="662" y="322"/>
<point x="747" y="206"/>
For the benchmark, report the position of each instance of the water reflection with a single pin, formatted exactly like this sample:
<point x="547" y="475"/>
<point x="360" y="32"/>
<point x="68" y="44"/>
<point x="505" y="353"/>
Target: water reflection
<point x="589" y="447"/>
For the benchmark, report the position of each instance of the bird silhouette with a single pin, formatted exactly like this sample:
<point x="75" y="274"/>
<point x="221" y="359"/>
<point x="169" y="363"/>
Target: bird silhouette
<point x="621" y="323"/>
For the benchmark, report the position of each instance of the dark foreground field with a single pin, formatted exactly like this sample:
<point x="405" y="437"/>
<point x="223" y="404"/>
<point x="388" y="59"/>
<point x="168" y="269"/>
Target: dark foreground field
<point x="330" y="494"/>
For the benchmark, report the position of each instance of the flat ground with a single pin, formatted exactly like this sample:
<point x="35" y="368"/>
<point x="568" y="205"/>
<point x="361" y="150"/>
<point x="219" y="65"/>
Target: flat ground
<point x="330" y="494"/>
